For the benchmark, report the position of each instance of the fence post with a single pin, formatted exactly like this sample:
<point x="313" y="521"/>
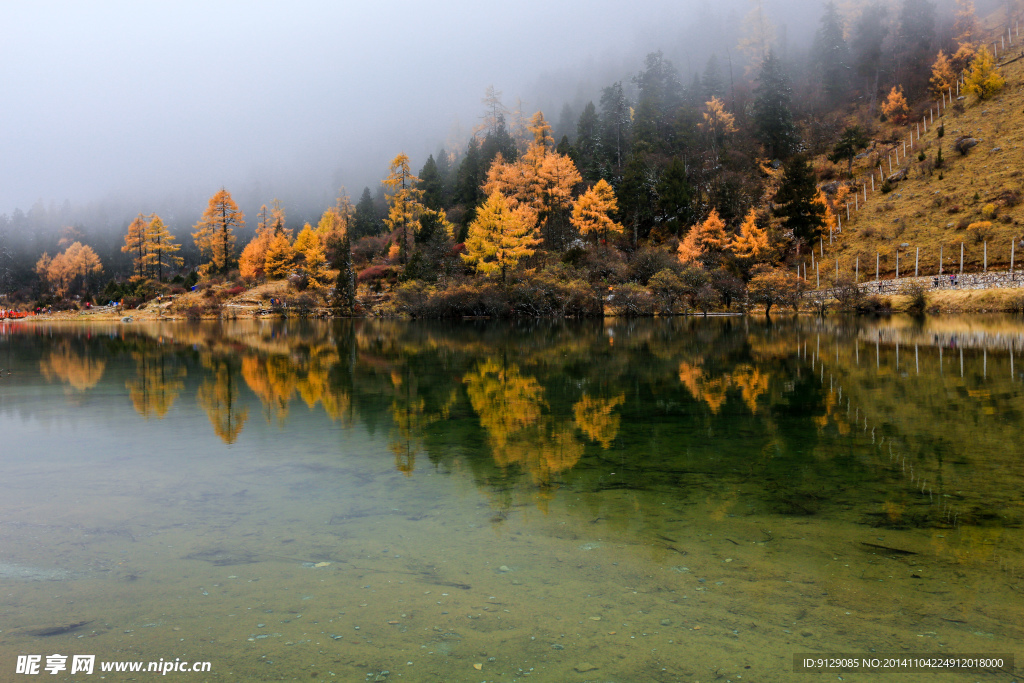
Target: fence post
<point x="821" y="246"/>
<point x="856" y="203"/>
<point x="897" y="263"/>
<point x="1012" y="245"/>
<point x="837" y="270"/>
<point x="940" y="259"/>
<point x="917" y="259"/>
<point x="872" y="185"/>
<point x="961" y="259"/>
<point x="817" y="273"/>
<point x="847" y="212"/>
<point x="830" y="236"/>
<point x="865" y="192"/>
<point x="985" y="258"/>
<point x="856" y="271"/>
<point x="890" y="163"/>
<point x="876" y="269"/>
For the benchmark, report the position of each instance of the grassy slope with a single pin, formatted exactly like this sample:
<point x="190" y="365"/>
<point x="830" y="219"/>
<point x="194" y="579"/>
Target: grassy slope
<point x="918" y="211"/>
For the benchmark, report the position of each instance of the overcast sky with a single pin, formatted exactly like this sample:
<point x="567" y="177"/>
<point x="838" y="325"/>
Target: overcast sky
<point x="155" y="98"/>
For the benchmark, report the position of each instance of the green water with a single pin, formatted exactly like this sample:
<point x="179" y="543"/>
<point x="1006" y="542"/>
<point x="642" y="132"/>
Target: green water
<point x="682" y="500"/>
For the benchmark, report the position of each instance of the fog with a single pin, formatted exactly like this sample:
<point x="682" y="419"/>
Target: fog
<point x="149" y="105"/>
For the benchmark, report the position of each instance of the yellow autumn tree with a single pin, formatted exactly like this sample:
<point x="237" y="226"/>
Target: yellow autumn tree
<point x="541" y="181"/>
<point x="305" y="239"/>
<point x="943" y="77"/>
<point x="591" y="214"/>
<point x="983" y="80"/>
<point x="215" y="232"/>
<point x="717" y="121"/>
<point x="752" y="242"/>
<point x="135" y="243"/>
<point x="74" y="265"/>
<point x="252" y="261"/>
<point x="962" y="58"/>
<point x="280" y="257"/>
<point x="161" y="248"/>
<point x="499" y="236"/>
<point x="965" y="22"/>
<point x="895" y="106"/>
<point x="405" y="204"/>
<point x="704" y="242"/>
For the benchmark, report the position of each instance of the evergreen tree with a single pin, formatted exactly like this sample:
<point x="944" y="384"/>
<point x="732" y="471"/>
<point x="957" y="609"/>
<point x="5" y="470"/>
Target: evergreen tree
<point x="773" y="120"/>
<point x="797" y="202"/>
<point x="366" y="221"/>
<point x="660" y="94"/>
<point x="430" y="183"/>
<point x="588" y="144"/>
<point x="831" y="56"/>
<point x="637" y="197"/>
<point x="711" y="82"/>
<point x="444" y="174"/>
<point x="869" y="33"/>
<point x="498" y="141"/>
<point x="615" y="127"/>
<point x="916" y="33"/>
<point x="470" y="174"/>
<point x="675" y="197"/>
<point x="850" y="142"/>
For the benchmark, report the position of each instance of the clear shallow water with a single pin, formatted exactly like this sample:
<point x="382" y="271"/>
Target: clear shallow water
<point x="684" y="500"/>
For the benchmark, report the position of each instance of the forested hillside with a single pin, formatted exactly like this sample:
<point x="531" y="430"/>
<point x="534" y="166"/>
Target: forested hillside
<point x="670" y="191"/>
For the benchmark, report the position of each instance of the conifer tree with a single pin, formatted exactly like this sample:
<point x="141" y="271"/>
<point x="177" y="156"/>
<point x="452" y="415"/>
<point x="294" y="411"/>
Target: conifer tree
<point x="431" y="184"/>
<point x="752" y="241"/>
<point x="850" y="142"/>
<point x="591" y="214"/>
<point x="615" y="125"/>
<point x="589" y="155"/>
<point x="796" y="200"/>
<point x="895" y="106"/>
<point x="405" y="203"/>
<point x="773" y="119"/>
<point x="830" y="54"/>
<point x="135" y="244"/>
<point x="943" y="77"/>
<point x="675" y="196"/>
<point x="215" y="232"/>
<point x="711" y="82"/>
<point x="983" y="80"/>
<point x="499" y="237"/>
<point x="161" y="247"/>
<point x="280" y="257"/>
<point x="366" y="220"/>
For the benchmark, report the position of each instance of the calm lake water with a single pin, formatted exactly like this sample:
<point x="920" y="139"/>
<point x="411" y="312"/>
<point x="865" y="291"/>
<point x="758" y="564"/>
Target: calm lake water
<point x="680" y="500"/>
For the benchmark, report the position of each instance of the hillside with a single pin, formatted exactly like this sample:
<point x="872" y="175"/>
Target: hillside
<point x="932" y="208"/>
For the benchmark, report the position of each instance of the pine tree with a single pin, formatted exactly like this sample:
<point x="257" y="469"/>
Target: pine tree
<point x="675" y="196"/>
<point x="366" y="220"/>
<point x="589" y="154"/>
<point x="499" y="237"/>
<point x="615" y="126"/>
<point x="591" y="214"/>
<point x="215" y="232"/>
<point x="850" y="142"/>
<point x="637" y="196"/>
<point x="431" y="184"/>
<point x="469" y="176"/>
<point x="916" y="33"/>
<point x="773" y="119"/>
<point x="830" y="55"/>
<point x="796" y="200"/>
<point x="869" y="33"/>
<point x="135" y="244"/>
<point x="712" y="85"/>
<point x="161" y="247"/>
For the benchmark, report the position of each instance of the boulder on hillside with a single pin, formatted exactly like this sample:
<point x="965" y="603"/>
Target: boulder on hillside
<point x="964" y="143"/>
<point x="898" y="176"/>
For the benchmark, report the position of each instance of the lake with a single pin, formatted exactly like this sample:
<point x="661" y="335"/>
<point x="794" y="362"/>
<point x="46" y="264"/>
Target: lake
<point x="654" y="500"/>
